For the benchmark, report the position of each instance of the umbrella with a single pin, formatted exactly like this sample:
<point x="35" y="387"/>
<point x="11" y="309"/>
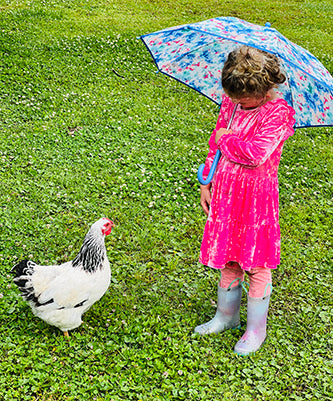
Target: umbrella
<point x="194" y="54"/>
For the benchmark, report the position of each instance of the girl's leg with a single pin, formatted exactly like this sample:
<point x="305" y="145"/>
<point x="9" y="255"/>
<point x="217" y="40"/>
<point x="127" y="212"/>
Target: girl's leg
<point x="260" y="282"/>
<point x="257" y="310"/>
<point x="228" y="301"/>
<point x="230" y="274"/>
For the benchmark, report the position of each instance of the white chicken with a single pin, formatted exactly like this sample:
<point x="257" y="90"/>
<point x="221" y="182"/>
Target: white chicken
<point x="60" y="294"/>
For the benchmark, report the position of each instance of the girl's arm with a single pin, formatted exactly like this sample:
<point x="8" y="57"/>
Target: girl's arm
<point x="205" y="197"/>
<point x="275" y="127"/>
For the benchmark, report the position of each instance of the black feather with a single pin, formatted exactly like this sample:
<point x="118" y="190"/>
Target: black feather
<point x="91" y="255"/>
<point x="22" y="273"/>
<point x="21" y="268"/>
<point x="80" y="304"/>
<point x="50" y="301"/>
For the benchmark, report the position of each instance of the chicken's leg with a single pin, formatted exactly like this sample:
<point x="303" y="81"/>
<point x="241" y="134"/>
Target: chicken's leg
<point x="66" y="333"/>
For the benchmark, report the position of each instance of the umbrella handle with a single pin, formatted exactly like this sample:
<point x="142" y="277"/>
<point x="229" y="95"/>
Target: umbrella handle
<point x="211" y="171"/>
<point x="216" y="159"/>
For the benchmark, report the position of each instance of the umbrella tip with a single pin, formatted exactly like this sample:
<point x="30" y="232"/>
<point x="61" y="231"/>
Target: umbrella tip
<point x="268" y="25"/>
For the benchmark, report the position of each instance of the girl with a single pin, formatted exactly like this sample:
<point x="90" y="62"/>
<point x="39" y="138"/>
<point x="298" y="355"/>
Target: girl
<point x="242" y="232"/>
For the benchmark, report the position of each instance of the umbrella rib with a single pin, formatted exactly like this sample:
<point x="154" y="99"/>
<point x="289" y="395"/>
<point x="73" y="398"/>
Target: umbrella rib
<point x="189" y="52"/>
<point x="290" y="89"/>
<point x="191" y="87"/>
<point x="178" y="80"/>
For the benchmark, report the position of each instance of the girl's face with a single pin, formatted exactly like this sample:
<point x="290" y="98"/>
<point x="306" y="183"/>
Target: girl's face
<point x="249" y="102"/>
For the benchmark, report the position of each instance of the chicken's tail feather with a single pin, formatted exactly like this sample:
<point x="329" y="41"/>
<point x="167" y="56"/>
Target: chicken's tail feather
<point x="24" y="268"/>
<point x="22" y="273"/>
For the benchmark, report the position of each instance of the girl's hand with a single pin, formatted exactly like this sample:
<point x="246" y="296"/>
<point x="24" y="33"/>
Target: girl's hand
<point x="205" y="198"/>
<point x="220" y="132"/>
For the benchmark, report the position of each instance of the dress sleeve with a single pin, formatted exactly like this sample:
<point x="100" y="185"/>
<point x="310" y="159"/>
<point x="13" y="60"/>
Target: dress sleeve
<point x="221" y="123"/>
<point x="275" y="126"/>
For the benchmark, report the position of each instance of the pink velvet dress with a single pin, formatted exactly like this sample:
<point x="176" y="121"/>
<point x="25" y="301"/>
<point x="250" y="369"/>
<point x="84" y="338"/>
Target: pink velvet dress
<point x="243" y="221"/>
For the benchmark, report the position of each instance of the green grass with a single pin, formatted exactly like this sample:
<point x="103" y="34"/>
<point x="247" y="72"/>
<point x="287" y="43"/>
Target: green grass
<point x="87" y="129"/>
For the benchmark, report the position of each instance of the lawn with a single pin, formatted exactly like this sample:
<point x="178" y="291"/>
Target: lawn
<point x="88" y="129"/>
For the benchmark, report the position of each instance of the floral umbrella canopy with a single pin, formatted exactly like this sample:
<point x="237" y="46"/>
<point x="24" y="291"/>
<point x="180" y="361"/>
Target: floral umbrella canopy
<point x="194" y="54"/>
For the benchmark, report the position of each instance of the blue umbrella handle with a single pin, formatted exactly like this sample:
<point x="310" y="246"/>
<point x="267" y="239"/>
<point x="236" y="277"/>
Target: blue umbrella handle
<point x="211" y="171"/>
<point x="216" y="159"/>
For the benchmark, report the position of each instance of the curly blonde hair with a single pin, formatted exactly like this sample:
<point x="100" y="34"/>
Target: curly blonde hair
<point x="251" y="72"/>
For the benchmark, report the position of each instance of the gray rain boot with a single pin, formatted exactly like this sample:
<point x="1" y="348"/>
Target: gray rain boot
<point x="255" y="334"/>
<point x="227" y="314"/>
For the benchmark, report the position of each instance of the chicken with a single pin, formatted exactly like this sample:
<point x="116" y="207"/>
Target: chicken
<point x="60" y="294"/>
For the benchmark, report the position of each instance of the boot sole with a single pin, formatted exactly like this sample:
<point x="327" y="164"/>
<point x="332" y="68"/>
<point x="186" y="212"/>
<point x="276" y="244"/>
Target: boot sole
<point x="222" y="331"/>
<point x="252" y="352"/>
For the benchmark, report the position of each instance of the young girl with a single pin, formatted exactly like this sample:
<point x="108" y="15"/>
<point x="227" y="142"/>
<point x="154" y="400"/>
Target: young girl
<point x="242" y="232"/>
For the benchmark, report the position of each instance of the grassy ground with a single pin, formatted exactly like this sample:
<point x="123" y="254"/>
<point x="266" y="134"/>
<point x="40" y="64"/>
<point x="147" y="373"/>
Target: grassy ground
<point x="88" y="129"/>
